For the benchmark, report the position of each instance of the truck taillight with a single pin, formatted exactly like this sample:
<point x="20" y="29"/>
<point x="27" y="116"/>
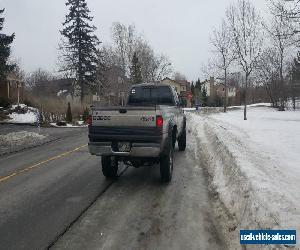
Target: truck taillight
<point x="159" y="121"/>
<point x="89" y="120"/>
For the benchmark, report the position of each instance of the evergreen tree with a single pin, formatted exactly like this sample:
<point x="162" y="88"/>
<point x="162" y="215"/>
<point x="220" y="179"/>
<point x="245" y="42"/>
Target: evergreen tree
<point x="197" y="93"/>
<point x="69" y="117"/>
<point x="198" y="84"/>
<point x="204" y="97"/>
<point x="79" y="48"/>
<point x="193" y="88"/>
<point x="5" y="43"/>
<point x="86" y="114"/>
<point x="135" y="70"/>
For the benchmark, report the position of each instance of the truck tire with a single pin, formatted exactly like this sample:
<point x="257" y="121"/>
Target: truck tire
<point x="109" y="166"/>
<point x="182" y="141"/>
<point x="166" y="163"/>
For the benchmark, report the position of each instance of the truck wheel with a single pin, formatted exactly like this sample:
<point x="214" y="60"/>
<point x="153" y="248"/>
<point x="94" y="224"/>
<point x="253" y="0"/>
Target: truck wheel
<point x="166" y="164"/>
<point x="109" y="166"/>
<point x="182" y="141"/>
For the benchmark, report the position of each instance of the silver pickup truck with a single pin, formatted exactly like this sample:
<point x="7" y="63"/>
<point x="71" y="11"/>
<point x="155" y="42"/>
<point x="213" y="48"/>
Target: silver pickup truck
<point x="143" y="132"/>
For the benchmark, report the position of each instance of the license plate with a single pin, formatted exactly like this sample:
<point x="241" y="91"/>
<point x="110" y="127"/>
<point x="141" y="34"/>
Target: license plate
<point x="124" y="147"/>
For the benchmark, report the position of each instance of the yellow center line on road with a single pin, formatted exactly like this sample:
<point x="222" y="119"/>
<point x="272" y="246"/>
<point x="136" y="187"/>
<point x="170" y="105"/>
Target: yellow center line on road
<point x="27" y="169"/>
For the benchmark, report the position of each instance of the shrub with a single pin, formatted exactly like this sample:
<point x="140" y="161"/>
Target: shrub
<point x="69" y="117"/>
<point x="85" y="114"/>
<point x="61" y="123"/>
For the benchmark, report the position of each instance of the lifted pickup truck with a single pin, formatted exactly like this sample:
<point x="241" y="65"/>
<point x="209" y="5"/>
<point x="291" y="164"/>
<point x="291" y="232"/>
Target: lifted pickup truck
<point x="143" y="132"/>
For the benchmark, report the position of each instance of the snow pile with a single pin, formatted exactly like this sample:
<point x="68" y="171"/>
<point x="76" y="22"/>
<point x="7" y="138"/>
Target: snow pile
<point x="21" y="136"/>
<point x="80" y="124"/>
<point x="23" y="114"/>
<point x="255" y="105"/>
<point x="18" y="140"/>
<point x="254" y="168"/>
<point x="189" y="109"/>
<point x="29" y="117"/>
<point x="61" y="92"/>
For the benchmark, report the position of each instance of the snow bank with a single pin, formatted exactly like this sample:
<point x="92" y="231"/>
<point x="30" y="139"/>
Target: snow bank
<point x="22" y="114"/>
<point x="21" y="136"/>
<point x="80" y="125"/>
<point x="28" y="118"/>
<point x="262" y="104"/>
<point x="61" y="92"/>
<point x="15" y="141"/>
<point x="254" y="168"/>
<point x="189" y="109"/>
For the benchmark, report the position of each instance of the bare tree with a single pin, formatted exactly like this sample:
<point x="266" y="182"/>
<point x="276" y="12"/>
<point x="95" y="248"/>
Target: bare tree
<point x="245" y="24"/>
<point x="282" y="37"/>
<point x="209" y="69"/>
<point x="179" y="76"/>
<point x="162" y="69"/>
<point x="223" y="42"/>
<point x="127" y="42"/>
<point x="36" y="80"/>
<point x="267" y="73"/>
<point x="125" y="39"/>
<point x="17" y="69"/>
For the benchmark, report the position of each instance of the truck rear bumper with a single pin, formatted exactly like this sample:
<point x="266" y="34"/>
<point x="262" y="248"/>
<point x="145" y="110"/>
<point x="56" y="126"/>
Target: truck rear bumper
<point x="137" y="150"/>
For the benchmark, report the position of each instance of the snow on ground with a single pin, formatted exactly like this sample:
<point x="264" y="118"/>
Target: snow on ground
<point x="80" y="125"/>
<point x="61" y="92"/>
<point x="16" y="137"/>
<point x="29" y="117"/>
<point x="22" y="114"/>
<point x="189" y="109"/>
<point x="254" y="168"/>
<point x="18" y="140"/>
<point x="262" y="104"/>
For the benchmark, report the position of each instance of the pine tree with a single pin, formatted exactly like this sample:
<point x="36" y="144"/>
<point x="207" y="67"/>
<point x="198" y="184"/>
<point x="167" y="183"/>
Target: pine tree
<point x="69" y="117"/>
<point x="204" y="97"/>
<point x="5" y="51"/>
<point x="79" y="48"/>
<point x="86" y="114"/>
<point x="197" y="92"/>
<point x="198" y="84"/>
<point x="135" y="70"/>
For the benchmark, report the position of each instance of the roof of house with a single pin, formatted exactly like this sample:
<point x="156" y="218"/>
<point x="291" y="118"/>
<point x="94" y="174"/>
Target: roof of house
<point x="181" y="82"/>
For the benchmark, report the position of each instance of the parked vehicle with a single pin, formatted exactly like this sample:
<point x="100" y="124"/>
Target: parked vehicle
<point x="143" y="132"/>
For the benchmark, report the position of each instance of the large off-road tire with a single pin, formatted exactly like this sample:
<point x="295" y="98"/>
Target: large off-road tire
<point x="182" y="141"/>
<point x="109" y="166"/>
<point x="166" y="163"/>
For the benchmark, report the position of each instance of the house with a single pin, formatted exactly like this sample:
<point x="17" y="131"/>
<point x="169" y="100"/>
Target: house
<point x="183" y="88"/>
<point x="13" y="88"/>
<point x="211" y="90"/>
<point x="216" y="92"/>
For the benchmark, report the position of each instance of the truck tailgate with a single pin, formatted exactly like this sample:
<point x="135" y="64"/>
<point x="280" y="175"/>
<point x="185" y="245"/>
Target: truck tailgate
<point x="124" y="117"/>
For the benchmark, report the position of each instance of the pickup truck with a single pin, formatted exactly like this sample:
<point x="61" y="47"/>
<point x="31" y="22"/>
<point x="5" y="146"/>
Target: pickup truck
<point x="143" y="132"/>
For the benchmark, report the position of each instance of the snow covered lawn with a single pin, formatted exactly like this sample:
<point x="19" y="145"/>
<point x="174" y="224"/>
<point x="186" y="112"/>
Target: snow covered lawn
<point x="254" y="168"/>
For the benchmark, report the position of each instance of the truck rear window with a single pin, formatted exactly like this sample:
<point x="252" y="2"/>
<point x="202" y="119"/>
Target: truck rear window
<point x="151" y="95"/>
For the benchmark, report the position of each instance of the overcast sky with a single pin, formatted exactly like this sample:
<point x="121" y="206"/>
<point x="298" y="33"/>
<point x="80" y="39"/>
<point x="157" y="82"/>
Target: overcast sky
<point x="179" y="29"/>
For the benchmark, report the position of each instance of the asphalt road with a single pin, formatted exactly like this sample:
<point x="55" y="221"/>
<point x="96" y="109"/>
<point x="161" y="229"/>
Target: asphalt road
<point x="55" y="195"/>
